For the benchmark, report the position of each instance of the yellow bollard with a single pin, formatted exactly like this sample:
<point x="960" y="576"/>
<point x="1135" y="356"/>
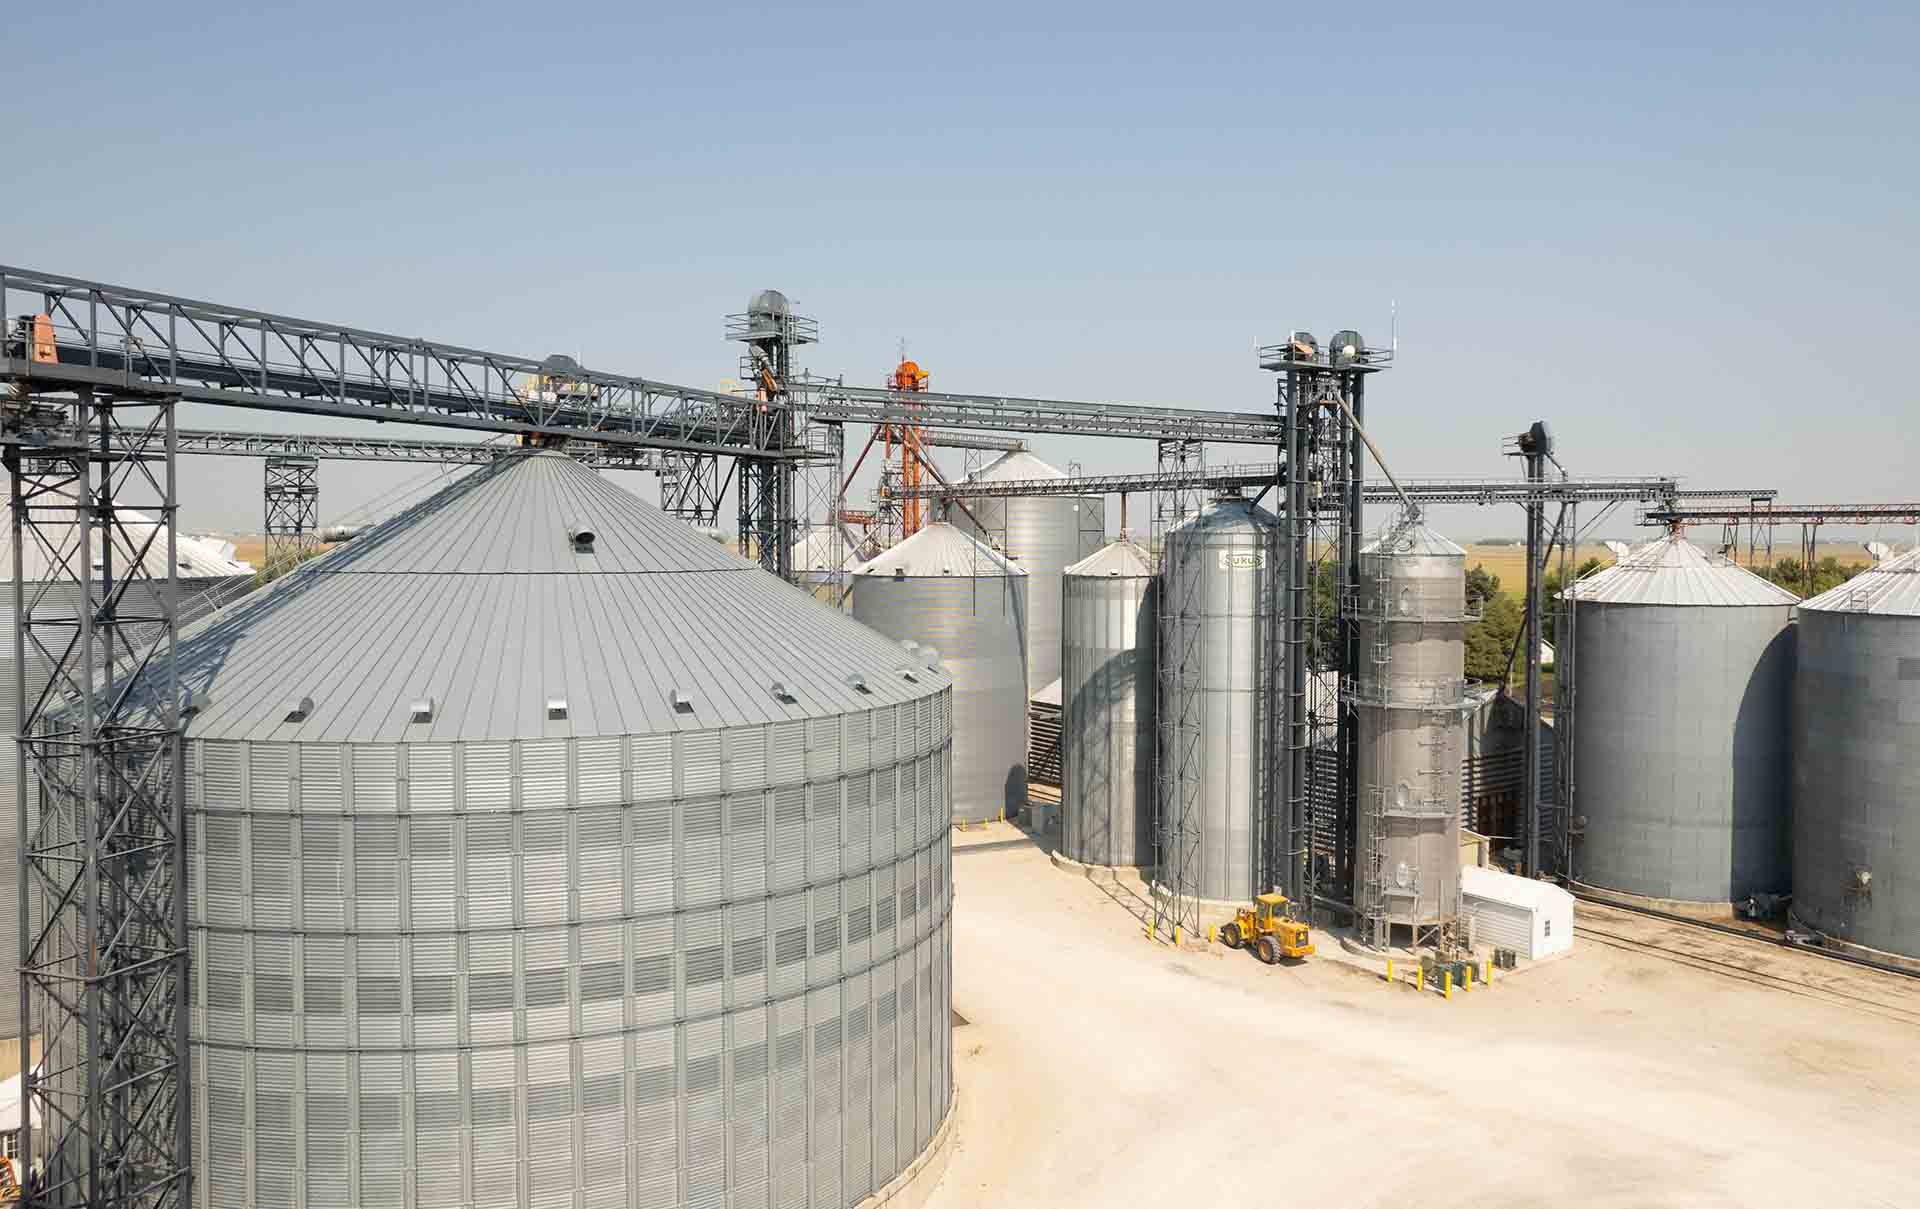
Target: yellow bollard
<point x="1209" y="933"/>
<point x="1176" y="936"/>
<point x="1446" y="983"/>
<point x="1389" y="969"/>
<point x="1469" y="973"/>
<point x="1489" y="971"/>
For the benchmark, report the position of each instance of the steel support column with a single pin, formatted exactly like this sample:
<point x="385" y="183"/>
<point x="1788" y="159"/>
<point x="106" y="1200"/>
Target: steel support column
<point x="103" y="946"/>
<point x="293" y="511"/>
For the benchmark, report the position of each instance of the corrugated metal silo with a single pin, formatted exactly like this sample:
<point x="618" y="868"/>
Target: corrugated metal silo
<point x="207" y="578"/>
<point x="1856" y="751"/>
<point x="1043" y="534"/>
<point x="1107" y="707"/>
<point x="544" y="853"/>
<point x="1680" y="698"/>
<point x="1215" y="586"/>
<point x="942" y="589"/>
<point x="1410" y="705"/>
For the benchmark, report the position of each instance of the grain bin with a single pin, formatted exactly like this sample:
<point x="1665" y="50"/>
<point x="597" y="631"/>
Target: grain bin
<point x="942" y="589"/>
<point x="1856" y="761"/>
<point x="207" y="578"/>
<point x="1107" y="707"/>
<point x="1043" y="534"/>
<point x="1216" y="670"/>
<point x="545" y="853"/>
<point x="1410" y="707"/>
<point x="1680" y="700"/>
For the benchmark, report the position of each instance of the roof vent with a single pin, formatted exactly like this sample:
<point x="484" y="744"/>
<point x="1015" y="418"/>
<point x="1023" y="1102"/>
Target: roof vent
<point x="931" y="656"/>
<point x="682" y="704"/>
<point x="781" y="694"/>
<point x="858" y="684"/>
<point x="946" y="570"/>
<point x="581" y="537"/>
<point x="300" y="710"/>
<point x="899" y="572"/>
<point x="556" y="709"/>
<point x="191" y="701"/>
<point x="421" y="710"/>
<point x="906" y="674"/>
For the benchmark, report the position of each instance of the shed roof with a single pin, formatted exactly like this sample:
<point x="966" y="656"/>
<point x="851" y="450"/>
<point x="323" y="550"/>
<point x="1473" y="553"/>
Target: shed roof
<point x="938" y="550"/>
<point x="1122" y="559"/>
<point x="1673" y="571"/>
<point x="1501" y="887"/>
<point x="1891" y="589"/>
<point x="476" y="599"/>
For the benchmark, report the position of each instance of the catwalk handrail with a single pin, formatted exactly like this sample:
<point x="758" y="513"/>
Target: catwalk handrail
<point x="1427" y="490"/>
<point x="1821" y="514"/>
<point x="115" y="337"/>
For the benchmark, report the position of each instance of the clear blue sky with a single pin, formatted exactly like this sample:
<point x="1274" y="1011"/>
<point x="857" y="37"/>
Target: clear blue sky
<point x="1687" y="236"/>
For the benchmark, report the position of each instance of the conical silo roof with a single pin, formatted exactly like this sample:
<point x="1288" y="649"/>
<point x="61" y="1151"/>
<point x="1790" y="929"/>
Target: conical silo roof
<point x="485" y="601"/>
<point x="1122" y="559"/>
<point x="1226" y="512"/>
<point x="1015" y="466"/>
<point x="821" y="549"/>
<point x="1673" y="571"/>
<point x="1414" y="538"/>
<point x="195" y="558"/>
<point x="940" y="549"/>
<point x="1891" y="589"/>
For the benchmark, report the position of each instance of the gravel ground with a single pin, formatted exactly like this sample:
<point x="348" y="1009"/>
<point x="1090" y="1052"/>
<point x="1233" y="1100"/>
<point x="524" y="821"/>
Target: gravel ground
<point x="1659" y="1065"/>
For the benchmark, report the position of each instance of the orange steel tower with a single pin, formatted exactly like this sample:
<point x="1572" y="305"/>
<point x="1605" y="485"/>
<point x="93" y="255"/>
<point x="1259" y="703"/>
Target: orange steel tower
<point x="907" y="442"/>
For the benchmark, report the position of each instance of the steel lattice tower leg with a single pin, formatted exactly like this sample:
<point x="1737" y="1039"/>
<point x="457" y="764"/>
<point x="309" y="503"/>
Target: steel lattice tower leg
<point x="103" y="946"/>
<point x="690" y="487"/>
<point x="1181" y="713"/>
<point x="293" y="511"/>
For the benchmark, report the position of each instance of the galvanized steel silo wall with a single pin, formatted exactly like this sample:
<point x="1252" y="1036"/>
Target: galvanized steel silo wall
<point x="197" y="597"/>
<point x="1682" y="748"/>
<point x="1215" y="584"/>
<point x="1856" y="778"/>
<point x="704" y="968"/>
<point x="1107" y="732"/>
<point x="977" y="623"/>
<point x="1045" y="535"/>
<point x="1410" y="727"/>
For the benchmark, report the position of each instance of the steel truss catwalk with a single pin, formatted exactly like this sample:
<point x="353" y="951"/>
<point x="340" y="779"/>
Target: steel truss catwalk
<point x="103" y="953"/>
<point x="110" y="336"/>
<point x="1428" y="491"/>
<point x="1003" y="413"/>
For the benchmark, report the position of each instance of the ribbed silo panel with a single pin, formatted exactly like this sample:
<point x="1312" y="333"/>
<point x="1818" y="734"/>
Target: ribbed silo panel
<point x="489" y="861"/>
<point x="600" y="878"/>
<point x="653" y="884"/>
<point x="329" y="1104"/>
<point x="978" y="627"/>
<point x="856" y="1163"/>
<point x="745" y="753"/>
<point x="747" y="864"/>
<point x="545" y="872"/>
<point x="383" y="1135"/>
<point x="790" y="1106"/>
<point x="826" y="1029"/>
<point x="751" y="1084"/>
<point x="532" y="939"/>
<point x="1856" y="778"/>
<point x="439" y="1123"/>
<point x="276" y="1131"/>
<point x="553" y="1166"/>
<point x="703" y="851"/>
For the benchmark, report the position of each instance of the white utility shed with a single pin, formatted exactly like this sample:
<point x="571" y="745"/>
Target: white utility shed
<point x="1533" y="918"/>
